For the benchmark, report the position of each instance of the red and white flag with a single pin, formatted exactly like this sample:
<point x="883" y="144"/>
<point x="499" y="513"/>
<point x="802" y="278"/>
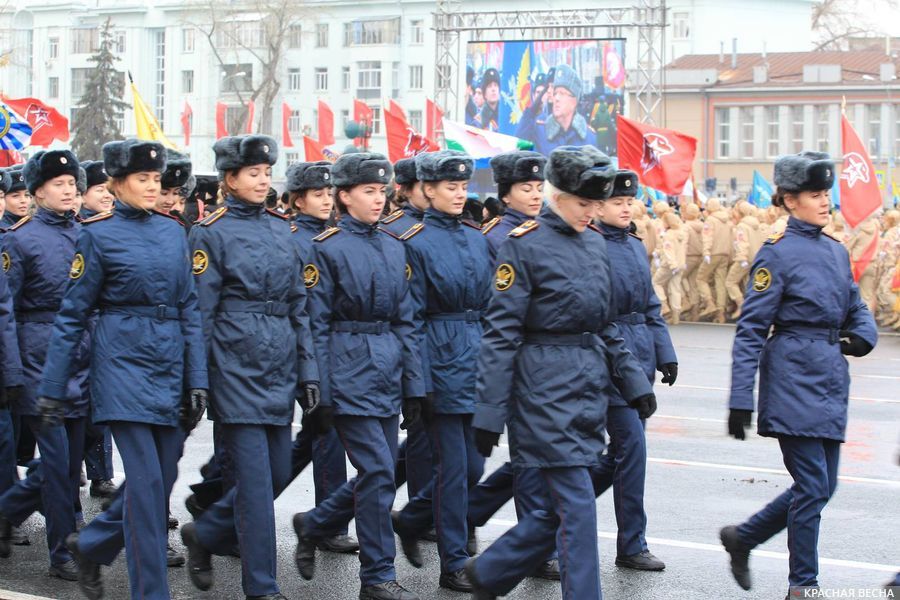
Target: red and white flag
<point x="662" y="158"/>
<point x="860" y="196"/>
<point x="403" y="141"/>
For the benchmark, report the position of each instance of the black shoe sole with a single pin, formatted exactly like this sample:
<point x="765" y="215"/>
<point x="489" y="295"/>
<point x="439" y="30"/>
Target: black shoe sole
<point x="306" y="566"/>
<point x="636" y="567"/>
<point x="202" y="579"/>
<point x="60" y="574"/>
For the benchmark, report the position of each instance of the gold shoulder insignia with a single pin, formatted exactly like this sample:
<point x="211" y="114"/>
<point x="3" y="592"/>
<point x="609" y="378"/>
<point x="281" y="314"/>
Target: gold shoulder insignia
<point x="213" y="216"/>
<point x="389" y="232"/>
<point x="275" y="213"/>
<point x="98" y="217"/>
<point x="293" y="227"/>
<point x="490" y="225"/>
<point x="21" y="222"/>
<point x="412" y="231"/>
<point x="326" y="234"/>
<point x="524" y="228"/>
<point x="773" y="239"/>
<point x="393" y="216"/>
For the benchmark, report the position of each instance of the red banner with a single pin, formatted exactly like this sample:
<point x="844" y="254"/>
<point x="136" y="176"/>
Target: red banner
<point x="186" y="123"/>
<point x="221" y="126"/>
<point x="286" y="140"/>
<point x="662" y="158"/>
<point x="403" y="141"/>
<point x="326" y="124"/>
<point x="47" y="124"/>
<point x="312" y="149"/>
<point x="363" y="115"/>
<point x="860" y="196"/>
<point x="860" y="265"/>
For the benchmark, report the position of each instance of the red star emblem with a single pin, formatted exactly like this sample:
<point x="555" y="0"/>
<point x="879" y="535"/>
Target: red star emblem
<point x="37" y="116"/>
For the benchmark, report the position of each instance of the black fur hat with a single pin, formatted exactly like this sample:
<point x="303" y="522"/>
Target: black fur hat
<point x="234" y="152"/>
<point x="16" y="181"/>
<point x="95" y="172"/>
<point x="47" y="164"/>
<point x="490" y="76"/>
<point x="446" y="165"/>
<point x="807" y="171"/>
<point x="308" y="176"/>
<point x="361" y="167"/>
<point x="582" y="171"/>
<point x="81" y="180"/>
<point x="5" y="180"/>
<point x="178" y="170"/>
<point x="122" y="158"/>
<point x="516" y="167"/>
<point x="626" y="184"/>
<point x="405" y="171"/>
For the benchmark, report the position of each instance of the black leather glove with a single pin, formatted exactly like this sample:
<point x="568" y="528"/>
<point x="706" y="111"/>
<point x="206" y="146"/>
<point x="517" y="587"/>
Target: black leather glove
<point x="412" y="412"/>
<point x="4" y="399"/>
<point x="854" y="345"/>
<point x="669" y="373"/>
<point x="193" y="404"/>
<point x="322" y="419"/>
<point x="10" y="395"/>
<point x="485" y="441"/>
<point x="51" y="412"/>
<point x="739" y="422"/>
<point x="428" y="408"/>
<point x="645" y="405"/>
<point x="309" y="397"/>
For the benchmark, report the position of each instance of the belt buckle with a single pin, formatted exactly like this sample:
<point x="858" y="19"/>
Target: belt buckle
<point x="269" y="308"/>
<point x="380" y="327"/>
<point x="161" y="312"/>
<point x="470" y="316"/>
<point x="834" y="336"/>
<point x="587" y="339"/>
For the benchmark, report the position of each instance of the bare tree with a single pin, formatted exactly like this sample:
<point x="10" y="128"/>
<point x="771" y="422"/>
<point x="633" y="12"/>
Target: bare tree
<point x="835" y="22"/>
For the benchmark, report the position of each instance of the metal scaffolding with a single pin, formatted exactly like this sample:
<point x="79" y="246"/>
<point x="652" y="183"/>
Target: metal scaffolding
<point x="646" y="20"/>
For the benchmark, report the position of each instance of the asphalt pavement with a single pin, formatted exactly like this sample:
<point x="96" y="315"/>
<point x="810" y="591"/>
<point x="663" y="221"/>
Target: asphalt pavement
<point x="698" y="480"/>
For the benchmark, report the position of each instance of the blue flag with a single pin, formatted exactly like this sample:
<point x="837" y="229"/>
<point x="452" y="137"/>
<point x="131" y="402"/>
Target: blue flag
<point x="761" y="192"/>
<point x="836" y="193"/>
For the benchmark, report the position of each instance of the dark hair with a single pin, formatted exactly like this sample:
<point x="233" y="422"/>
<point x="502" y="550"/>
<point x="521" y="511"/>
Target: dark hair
<point x="778" y="197"/>
<point x="493" y="206"/>
<point x="272" y="198"/>
<point x="338" y="203"/>
<point x="503" y="190"/>
<point x="404" y="191"/>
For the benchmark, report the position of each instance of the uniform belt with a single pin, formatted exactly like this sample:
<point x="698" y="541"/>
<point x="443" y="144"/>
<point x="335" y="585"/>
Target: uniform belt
<point x="361" y="326"/>
<point x="268" y="307"/>
<point x="469" y="315"/>
<point x="631" y="319"/>
<point x="161" y="311"/>
<point x="585" y="340"/>
<point x="36" y="316"/>
<point x="828" y="334"/>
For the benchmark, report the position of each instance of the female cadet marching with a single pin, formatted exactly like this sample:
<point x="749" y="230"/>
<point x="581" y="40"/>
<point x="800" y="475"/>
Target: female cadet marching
<point x="16" y="196"/>
<point x="361" y="313"/>
<point x="96" y="197"/>
<point x="802" y="285"/>
<point x="261" y="359"/>
<point x="548" y="325"/>
<point x="636" y="312"/>
<point x="37" y="254"/>
<point x="450" y="276"/>
<point x="148" y="366"/>
<point x="520" y="186"/>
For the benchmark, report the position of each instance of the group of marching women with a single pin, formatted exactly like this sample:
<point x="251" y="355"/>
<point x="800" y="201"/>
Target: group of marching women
<point x="544" y="323"/>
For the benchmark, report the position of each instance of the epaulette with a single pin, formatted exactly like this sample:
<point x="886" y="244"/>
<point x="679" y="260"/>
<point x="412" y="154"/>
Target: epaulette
<point x="393" y="216"/>
<point x="20" y="222"/>
<point x="389" y="232"/>
<point x="98" y="217"/>
<point x="490" y="225"/>
<point x="412" y="231"/>
<point x="594" y="227"/>
<point x="326" y="234"/>
<point x="167" y="215"/>
<point x="524" y="228"/>
<point x="293" y="227"/>
<point x="471" y="224"/>
<point x="773" y="239"/>
<point x="275" y="213"/>
<point x="213" y="216"/>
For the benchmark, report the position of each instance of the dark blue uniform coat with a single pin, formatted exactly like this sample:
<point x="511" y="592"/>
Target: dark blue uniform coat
<point x="496" y="231"/>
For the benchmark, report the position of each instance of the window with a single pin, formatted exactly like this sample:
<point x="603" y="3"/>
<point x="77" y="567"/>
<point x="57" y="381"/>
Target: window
<point x="796" y="129"/>
<point x="187" y="82"/>
<point x="294" y="80"/>
<point x="79" y="82"/>
<point x="823" y="127"/>
<point x="237" y="78"/>
<point x="345" y="118"/>
<point x="773" y="131"/>
<point x="376" y="120"/>
<point x="235" y="118"/>
<point x="160" y="87"/>
<point x="415" y="77"/>
<point x="745" y="116"/>
<point x="368" y="79"/>
<point x="243" y="34"/>
<point x="295" y="34"/>
<point x="53" y="87"/>
<point x="723" y="132"/>
<point x="292" y="157"/>
<point x="118" y="44"/>
<point x="321" y="79"/>
<point x="345" y="79"/>
<point x="681" y="27"/>
<point x="443" y="76"/>
<point x="395" y="80"/>
<point x="187" y="40"/>
<point x="321" y="35"/>
<point x="415" y="119"/>
<point x="372" y="33"/>
<point x="873" y="129"/>
<point x="85" y="40"/>
<point x="53" y="48"/>
<point x="294" y="123"/>
<point x="417" y="31"/>
<point x="316" y="123"/>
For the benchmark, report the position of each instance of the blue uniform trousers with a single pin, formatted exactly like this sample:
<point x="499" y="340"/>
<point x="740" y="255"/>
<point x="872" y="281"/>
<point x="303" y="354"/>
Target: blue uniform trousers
<point x="571" y="525"/>
<point x="8" y="474"/>
<point x="624" y="467"/>
<point x="371" y="445"/>
<point x="813" y="464"/>
<point x="489" y="496"/>
<point x="414" y="462"/>
<point x="329" y="463"/>
<point x="136" y="519"/>
<point x="98" y="458"/>
<point x="457" y="467"/>
<point x="51" y="487"/>
<point x="246" y="514"/>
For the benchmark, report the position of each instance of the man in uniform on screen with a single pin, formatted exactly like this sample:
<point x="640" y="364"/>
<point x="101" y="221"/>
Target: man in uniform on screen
<point x="562" y="125"/>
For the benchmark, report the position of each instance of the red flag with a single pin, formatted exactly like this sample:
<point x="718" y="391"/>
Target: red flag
<point x="433" y="116"/>
<point x="313" y="149"/>
<point x="662" y="158"/>
<point x="286" y="140"/>
<point x="363" y="115"/>
<point x="221" y="126"/>
<point x="9" y="158"/>
<point x="251" y="108"/>
<point x="186" y="123"/>
<point x="326" y="124"/>
<point x="47" y="124"/>
<point x="860" y="265"/>
<point x="860" y="196"/>
<point x="403" y="141"/>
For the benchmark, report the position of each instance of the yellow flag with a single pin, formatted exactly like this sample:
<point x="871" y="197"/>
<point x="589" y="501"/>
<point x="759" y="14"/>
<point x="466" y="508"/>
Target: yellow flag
<point x="147" y="125"/>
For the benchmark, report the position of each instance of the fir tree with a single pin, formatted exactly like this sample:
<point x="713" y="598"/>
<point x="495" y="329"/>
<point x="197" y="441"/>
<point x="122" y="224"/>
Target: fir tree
<point x="94" y="123"/>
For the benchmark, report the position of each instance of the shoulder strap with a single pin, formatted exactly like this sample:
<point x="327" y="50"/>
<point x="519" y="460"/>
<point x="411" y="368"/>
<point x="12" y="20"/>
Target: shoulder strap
<point x="213" y="217"/>
<point x="490" y="225"/>
<point x="526" y="227"/>
<point x="409" y="233"/>
<point x="326" y="234"/>
<point x="26" y="219"/>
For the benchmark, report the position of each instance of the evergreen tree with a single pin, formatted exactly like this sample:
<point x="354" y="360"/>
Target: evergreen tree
<point x="94" y="123"/>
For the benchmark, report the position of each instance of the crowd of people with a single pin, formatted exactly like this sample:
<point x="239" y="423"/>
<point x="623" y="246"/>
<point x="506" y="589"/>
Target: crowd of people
<point x="122" y="319"/>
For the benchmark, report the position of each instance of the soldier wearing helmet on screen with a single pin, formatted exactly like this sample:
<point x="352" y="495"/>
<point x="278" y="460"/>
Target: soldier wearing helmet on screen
<point x="562" y="124"/>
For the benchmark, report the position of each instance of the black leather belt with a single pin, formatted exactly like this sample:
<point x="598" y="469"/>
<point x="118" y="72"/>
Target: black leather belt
<point x="267" y="307"/>
<point x="469" y="315"/>
<point x="161" y="311"/>
<point x="585" y="340"/>
<point x="361" y="326"/>
<point x="828" y="334"/>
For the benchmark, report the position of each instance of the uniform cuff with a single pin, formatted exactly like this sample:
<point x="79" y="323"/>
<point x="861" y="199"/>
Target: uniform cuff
<point x="489" y="418"/>
<point x="741" y="399"/>
<point x="413" y="388"/>
<point x="52" y="389"/>
<point x="13" y="378"/>
<point x="196" y="379"/>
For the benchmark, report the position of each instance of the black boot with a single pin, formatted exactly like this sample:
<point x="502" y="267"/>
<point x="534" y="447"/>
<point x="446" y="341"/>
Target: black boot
<point x="479" y="592"/>
<point x="643" y="561"/>
<point x="194" y="507"/>
<point x="740" y="555"/>
<point x="5" y="535"/>
<point x="389" y="590"/>
<point x="472" y="543"/>
<point x="198" y="559"/>
<point x="89" y="580"/>
<point x="102" y="488"/>
<point x="430" y="535"/>
<point x="409" y="543"/>
<point x="339" y="544"/>
<point x="305" y="554"/>
<point x="67" y="571"/>
<point x="458" y="581"/>
<point x="275" y="596"/>
<point x="18" y="538"/>
<point x="548" y="570"/>
<point x="174" y="558"/>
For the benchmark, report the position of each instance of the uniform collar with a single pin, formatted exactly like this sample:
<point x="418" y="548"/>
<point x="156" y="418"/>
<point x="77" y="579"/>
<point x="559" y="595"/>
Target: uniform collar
<point x="244" y="209"/>
<point x="411" y="211"/>
<point x="514" y="217"/>
<point x="310" y="221"/>
<point x="52" y="218"/>
<point x="612" y="232"/>
<point x="130" y="212"/>
<point x="87" y="213"/>
<point x="348" y="223"/>
<point x="442" y="219"/>
<point x="803" y="228"/>
<point x="554" y="221"/>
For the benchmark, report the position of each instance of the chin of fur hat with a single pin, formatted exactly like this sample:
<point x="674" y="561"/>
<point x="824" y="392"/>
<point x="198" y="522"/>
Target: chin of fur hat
<point x="446" y="165"/>
<point x="122" y="158"/>
<point x="516" y="167"/>
<point x="405" y="171"/>
<point x="47" y="164"/>
<point x="807" y="171"/>
<point x="178" y="170"/>
<point x="361" y="167"/>
<point x="626" y="184"/>
<point x="95" y="172"/>
<point x="308" y="176"/>
<point x="238" y="151"/>
<point x="582" y="171"/>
